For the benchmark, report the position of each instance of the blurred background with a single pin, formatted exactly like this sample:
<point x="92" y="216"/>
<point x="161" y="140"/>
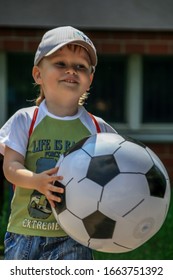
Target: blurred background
<point x="133" y="85"/>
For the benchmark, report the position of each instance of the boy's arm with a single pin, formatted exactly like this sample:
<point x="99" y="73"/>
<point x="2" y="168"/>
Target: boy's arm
<point x="16" y="173"/>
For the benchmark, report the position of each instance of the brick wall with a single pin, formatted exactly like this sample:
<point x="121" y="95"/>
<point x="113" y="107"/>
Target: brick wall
<point x="134" y="42"/>
<point x="109" y="42"/>
<point x="19" y="40"/>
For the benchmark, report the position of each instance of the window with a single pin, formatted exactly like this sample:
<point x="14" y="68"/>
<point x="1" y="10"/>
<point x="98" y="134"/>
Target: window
<point x="133" y="93"/>
<point x="107" y="93"/>
<point x="20" y="87"/>
<point x="157" y="90"/>
<point x="107" y="98"/>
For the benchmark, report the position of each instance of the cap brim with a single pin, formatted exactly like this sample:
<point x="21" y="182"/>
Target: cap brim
<point x="83" y="44"/>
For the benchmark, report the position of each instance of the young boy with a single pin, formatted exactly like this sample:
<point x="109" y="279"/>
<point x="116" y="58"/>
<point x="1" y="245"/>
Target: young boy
<point x="63" y="68"/>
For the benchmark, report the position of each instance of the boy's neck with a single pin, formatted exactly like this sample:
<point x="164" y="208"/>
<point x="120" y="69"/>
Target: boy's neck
<point x="61" y="111"/>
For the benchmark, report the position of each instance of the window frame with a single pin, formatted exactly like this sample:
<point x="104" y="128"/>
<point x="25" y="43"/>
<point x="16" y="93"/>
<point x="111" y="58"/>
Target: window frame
<point x="151" y="132"/>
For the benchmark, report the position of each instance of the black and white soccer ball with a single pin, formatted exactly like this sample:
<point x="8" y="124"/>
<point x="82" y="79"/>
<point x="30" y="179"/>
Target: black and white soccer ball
<point x="117" y="193"/>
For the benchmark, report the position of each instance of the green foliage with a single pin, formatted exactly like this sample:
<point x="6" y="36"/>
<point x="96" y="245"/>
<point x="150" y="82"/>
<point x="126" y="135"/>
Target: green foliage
<point x="4" y="215"/>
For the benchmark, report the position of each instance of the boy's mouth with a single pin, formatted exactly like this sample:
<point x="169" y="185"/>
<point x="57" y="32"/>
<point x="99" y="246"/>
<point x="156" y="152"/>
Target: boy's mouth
<point x="70" y="81"/>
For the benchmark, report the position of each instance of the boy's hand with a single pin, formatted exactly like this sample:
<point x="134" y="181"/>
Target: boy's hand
<point x="46" y="186"/>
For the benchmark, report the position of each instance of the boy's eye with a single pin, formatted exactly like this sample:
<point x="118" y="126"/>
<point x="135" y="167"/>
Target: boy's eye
<point x="61" y="65"/>
<point x="76" y="67"/>
<point x="81" y="67"/>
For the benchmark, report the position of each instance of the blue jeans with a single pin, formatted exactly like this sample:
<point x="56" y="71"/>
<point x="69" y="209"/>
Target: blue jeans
<point x="24" y="247"/>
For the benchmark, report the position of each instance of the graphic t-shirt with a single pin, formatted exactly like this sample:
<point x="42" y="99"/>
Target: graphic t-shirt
<point x="31" y="213"/>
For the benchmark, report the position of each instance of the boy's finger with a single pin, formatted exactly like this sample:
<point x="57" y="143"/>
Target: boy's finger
<point x="52" y="171"/>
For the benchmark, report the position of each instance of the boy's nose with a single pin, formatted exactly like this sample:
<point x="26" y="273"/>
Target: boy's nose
<point x="71" y="70"/>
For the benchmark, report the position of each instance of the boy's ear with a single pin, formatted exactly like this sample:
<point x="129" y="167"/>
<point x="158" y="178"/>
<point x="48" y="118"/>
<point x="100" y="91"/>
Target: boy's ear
<point x="91" y="78"/>
<point x="36" y="74"/>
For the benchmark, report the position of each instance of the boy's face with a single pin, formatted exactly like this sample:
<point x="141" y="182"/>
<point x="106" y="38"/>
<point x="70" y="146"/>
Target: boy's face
<point x="65" y="75"/>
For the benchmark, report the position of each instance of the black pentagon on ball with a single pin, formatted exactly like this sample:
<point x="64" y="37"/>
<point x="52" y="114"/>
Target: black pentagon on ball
<point x="156" y="181"/>
<point x="76" y="146"/>
<point x="60" y="206"/>
<point x="102" y="169"/>
<point x="99" y="226"/>
<point x="135" y="141"/>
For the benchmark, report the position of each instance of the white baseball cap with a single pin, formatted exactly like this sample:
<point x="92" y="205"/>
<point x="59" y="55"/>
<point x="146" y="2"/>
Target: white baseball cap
<point x="56" y="38"/>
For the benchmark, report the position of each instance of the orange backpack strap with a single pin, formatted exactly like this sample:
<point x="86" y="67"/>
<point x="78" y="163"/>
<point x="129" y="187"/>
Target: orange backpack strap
<point x="33" y="121"/>
<point x="95" y="122"/>
<point x="31" y="128"/>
